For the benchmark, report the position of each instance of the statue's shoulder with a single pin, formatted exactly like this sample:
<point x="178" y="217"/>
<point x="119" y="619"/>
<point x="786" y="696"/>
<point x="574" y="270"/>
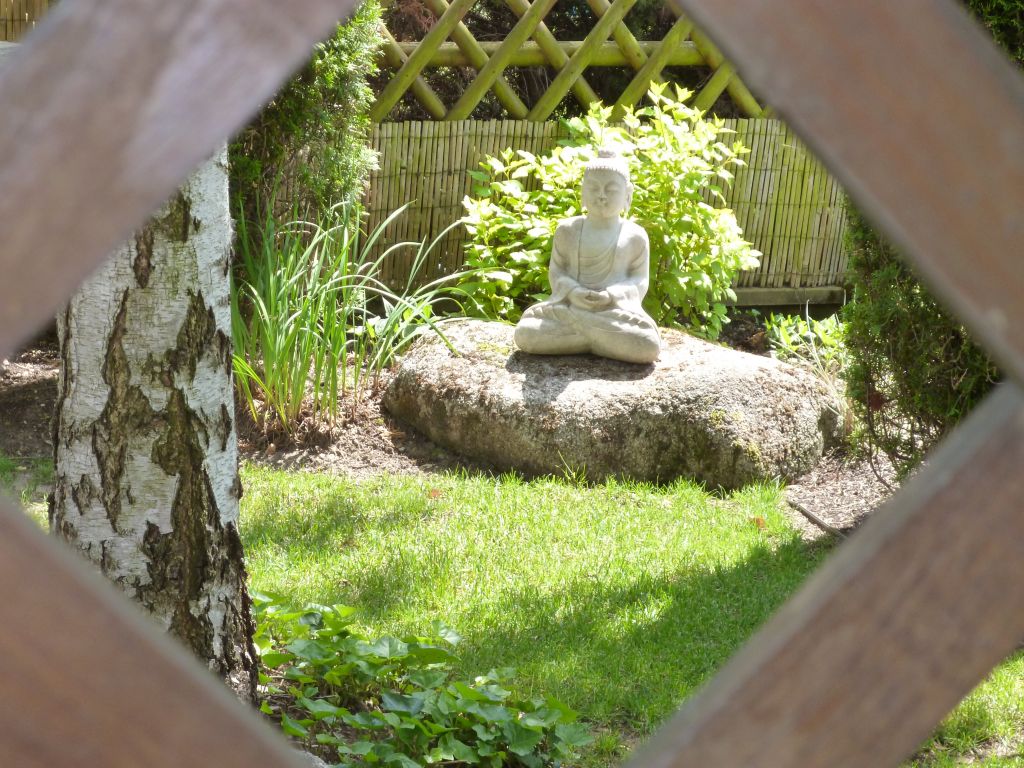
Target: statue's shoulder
<point x="633" y="232"/>
<point x="572" y="224"/>
<point x="568" y="230"/>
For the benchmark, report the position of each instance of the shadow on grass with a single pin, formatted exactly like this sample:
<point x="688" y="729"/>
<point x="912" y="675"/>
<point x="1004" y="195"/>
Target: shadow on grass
<point x="634" y="651"/>
<point x="617" y="651"/>
<point x="618" y="646"/>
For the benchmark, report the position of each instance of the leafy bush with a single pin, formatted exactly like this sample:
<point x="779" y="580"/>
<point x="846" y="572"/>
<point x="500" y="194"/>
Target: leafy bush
<point x="1004" y="19"/>
<point x="677" y="162"/>
<point x="914" y="372"/>
<point x="394" y="701"/>
<point x="818" y="346"/>
<point x="804" y="338"/>
<point x="313" y="133"/>
<point x="311" y="318"/>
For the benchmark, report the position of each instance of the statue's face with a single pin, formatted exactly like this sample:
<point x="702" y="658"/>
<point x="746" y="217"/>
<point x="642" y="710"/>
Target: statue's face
<point x="605" y="193"/>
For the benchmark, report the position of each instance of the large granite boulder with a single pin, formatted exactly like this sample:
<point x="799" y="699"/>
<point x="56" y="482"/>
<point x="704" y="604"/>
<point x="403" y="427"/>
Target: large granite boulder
<point x="702" y="411"/>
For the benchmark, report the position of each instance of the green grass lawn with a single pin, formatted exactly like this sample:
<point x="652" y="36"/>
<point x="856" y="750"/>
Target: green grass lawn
<point x="618" y="599"/>
<point x="28" y="481"/>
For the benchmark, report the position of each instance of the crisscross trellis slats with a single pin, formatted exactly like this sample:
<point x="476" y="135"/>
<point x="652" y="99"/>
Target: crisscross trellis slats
<point x="609" y="43"/>
<point x="853" y="671"/>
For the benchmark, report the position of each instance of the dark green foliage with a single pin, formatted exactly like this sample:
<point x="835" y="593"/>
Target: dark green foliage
<point x="395" y="701"/>
<point x="1004" y="19"/>
<point x="313" y="134"/>
<point x="914" y="372"/>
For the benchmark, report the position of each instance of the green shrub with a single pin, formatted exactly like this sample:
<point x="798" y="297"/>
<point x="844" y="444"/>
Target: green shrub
<point x="394" y="701"/>
<point x="677" y="162"/>
<point x="311" y="318"/>
<point x="914" y="372"/>
<point x="1004" y="19"/>
<point x="818" y="346"/>
<point x="313" y="133"/>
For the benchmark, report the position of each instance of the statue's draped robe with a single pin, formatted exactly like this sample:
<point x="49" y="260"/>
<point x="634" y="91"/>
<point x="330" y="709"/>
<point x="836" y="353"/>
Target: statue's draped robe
<point x="622" y="330"/>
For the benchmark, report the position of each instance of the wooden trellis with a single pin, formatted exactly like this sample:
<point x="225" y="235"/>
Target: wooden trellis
<point x="854" y="671"/>
<point x="530" y="44"/>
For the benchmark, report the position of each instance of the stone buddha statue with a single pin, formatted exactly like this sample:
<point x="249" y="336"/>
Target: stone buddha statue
<point x="598" y="274"/>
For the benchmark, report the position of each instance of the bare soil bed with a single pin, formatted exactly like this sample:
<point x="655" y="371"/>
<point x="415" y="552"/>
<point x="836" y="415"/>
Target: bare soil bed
<point x="841" y="491"/>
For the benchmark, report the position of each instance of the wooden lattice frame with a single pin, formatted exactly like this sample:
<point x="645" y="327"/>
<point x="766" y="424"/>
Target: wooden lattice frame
<point x="530" y="43"/>
<point x="854" y="671"/>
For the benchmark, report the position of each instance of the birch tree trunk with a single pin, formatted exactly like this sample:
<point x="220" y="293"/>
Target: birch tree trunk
<point x="145" y="445"/>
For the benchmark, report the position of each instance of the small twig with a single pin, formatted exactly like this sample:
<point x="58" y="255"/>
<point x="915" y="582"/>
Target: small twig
<point x="878" y="475"/>
<point x="815" y="519"/>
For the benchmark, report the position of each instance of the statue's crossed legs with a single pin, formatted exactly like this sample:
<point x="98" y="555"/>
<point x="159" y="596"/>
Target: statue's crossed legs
<point x="562" y="329"/>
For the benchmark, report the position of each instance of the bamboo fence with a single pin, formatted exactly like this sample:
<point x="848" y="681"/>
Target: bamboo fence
<point x="19" y="16"/>
<point x="788" y="205"/>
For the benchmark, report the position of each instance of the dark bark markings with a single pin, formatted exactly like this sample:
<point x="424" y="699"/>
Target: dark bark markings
<point x="126" y="412"/>
<point x="199" y="554"/>
<point x="142" y="264"/>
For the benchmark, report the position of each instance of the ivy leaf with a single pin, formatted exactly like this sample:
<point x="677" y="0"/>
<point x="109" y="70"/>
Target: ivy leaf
<point x="320" y="708"/>
<point x="428" y="678"/>
<point x="573" y="734"/>
<point x="293" y="727"/>
<point x="402" y="761"/>
<point x="386" y="648"/>
<point x="458" y="750"/>
<point x="396" y="702"/>
<point x="522" y="741"/>
<point x="276" y="658"/>
<point x="310" y="650"/>
<point x="430" y="654"/>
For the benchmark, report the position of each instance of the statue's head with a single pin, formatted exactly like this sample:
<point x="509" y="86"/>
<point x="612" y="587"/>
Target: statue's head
<point x="607" y="190"/>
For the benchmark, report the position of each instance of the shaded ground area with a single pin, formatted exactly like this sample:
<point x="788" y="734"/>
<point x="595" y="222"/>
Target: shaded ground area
<point x="28" y="390"/>
<point x="841" y="491"/>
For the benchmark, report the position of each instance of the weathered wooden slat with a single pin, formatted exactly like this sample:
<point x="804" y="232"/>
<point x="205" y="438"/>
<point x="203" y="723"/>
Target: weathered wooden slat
<point x="670" y="46"/>
<point x="475" y="56"/>
<point x="126" y="695"/>
<point x="768" y="297"/>
<point x="166" y="83"/>
<point x="892" y="631"/>
<point x="531" y="54"/>
<point x="395" y="55"/>
<point x="556" y="57"/>
<point x="418" y="59"/>
<point x="580" y="60"/>
<point x="951" y="205"/>
<point x="488" y="74"/>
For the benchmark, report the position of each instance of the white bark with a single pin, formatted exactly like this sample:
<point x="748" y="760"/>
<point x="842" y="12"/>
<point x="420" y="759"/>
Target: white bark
<point x="145" y="444"/>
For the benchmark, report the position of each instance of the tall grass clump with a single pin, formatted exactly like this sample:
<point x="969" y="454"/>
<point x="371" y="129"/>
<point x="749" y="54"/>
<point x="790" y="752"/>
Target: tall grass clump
<point x="312" y="320"/>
